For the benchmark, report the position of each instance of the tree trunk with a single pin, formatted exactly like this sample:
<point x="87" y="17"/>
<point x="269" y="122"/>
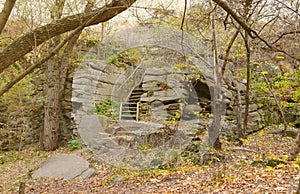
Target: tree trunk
<point x="52" y="107"/>
<point x="240" y="130"/>
<point x="247" y="99"/>
<point x="56" y="73"/>
<point x="215" y="128"/>
<point x="4" y="15"/>
<point x="50" y="134"/>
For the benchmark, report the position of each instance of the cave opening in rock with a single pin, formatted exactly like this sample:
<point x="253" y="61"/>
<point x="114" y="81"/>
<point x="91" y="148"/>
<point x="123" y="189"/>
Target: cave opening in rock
<point x="202" y="97"/>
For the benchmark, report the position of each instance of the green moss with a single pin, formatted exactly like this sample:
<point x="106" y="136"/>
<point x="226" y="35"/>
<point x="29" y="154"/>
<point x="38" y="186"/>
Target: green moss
<point x="108" y="108"/>
<point x="126" y="58"/>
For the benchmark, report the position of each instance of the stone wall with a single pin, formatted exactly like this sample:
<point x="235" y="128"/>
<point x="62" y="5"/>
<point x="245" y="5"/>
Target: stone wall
<point x="169" y="86"/>
<point x="21" y="128"/>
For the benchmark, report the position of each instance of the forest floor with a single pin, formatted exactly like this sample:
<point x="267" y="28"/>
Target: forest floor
<point x="250" y="169"/>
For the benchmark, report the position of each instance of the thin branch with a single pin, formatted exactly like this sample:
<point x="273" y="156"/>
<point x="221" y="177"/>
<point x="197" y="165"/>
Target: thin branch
<point x="181" y="27"/>
<point x="295" y="11"/>
<point x="237" y="18"/>
<point x="284" y="34"/>
<point x="184" y="13"/>
<point x="267" y="23"/>
<point x="275" y="48"/>
<point x="247" y="99"/>
<point x="227" y="52"/>
<point x="252" y="33"/>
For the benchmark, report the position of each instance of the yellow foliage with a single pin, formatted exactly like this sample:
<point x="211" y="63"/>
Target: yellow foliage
<point x="279" y="57"/>
<point x="264" y="73"/>
<point x="280" y="165"/>
<point x="270" y="168"/>
<point x="261" y="133"/>
<point x="244" y="141"/>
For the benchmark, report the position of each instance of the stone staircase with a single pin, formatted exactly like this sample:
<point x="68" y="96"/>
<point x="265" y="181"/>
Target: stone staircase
<point x="129" y="110"/>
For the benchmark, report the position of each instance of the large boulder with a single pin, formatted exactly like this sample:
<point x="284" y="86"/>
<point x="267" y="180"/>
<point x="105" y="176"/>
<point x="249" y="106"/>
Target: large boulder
<point x="67" y="166"/>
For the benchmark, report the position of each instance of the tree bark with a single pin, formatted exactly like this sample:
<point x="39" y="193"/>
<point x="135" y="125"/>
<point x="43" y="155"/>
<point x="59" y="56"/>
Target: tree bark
<point x="49" y="139"/>
<point x="30" y="40"/>
<point x="215" y="128"/>
<point x="6" y="11"/>
<point x="56" y="73"/>
<point x="50" y="135"/>
<point x="247" y="98"/>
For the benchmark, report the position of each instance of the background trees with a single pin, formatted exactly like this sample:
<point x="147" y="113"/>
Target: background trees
<point x="247" y="34"/>
<point x="249" y="20"/>
<point x="56" y="67"/>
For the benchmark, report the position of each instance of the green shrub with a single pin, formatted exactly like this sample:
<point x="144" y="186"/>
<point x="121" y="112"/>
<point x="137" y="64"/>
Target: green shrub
<point x="297" y="95"/>
<point x="2" y="160"/>
<point x="74" y="144"/>
<point x="108" y="108"/>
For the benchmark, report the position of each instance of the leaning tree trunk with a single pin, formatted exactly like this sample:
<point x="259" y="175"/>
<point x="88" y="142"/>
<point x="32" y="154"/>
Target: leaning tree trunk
<point x="27" y="42"/>
<point x="6" y="11"/>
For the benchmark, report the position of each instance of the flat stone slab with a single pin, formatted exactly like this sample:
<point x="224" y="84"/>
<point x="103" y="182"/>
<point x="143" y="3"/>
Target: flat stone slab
<point x="67" y="166"/>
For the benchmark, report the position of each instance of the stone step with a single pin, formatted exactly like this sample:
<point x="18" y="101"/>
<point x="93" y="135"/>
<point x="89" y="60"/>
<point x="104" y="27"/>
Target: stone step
<point x="134" y="96"/>
<point x="129" y="103"/>
<point x="131" y="114"/>
<point x="126" y="108"/>
<point x="133" y="100"/>
<point x="138" y="90"/>
<point x="130" y="117"/>
<point x="128" y="113"/>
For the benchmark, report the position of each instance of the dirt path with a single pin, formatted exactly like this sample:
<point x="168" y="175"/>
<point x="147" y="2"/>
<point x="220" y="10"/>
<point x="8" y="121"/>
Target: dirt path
<point x="234" y="174"/>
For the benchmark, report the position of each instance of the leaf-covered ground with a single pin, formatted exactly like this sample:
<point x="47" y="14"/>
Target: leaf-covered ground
<point x="244" y="169"/>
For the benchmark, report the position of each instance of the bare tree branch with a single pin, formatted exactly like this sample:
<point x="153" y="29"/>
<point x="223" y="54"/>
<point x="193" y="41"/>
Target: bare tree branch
<point x="237" y="18"/>
<point x="184" y="13"/>
<point x="228" y="50"/>
<point x="285" y="5"/>
<point x="29" y="41"/>
<point x="252" y="33"/>
<point x="284" y="34"/>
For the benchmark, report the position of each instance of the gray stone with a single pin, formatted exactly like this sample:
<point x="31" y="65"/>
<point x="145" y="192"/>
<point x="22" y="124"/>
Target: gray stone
<point x="87" y="173"/>
<point x="154" y="71"/>
<point x="255" y="116"/>
<point x="67" y="166"/>
<point x="151" y="78"/>
<point x="191" y="111"/>
<point x="162" y="96"/>
<point x="89" y="127"/>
